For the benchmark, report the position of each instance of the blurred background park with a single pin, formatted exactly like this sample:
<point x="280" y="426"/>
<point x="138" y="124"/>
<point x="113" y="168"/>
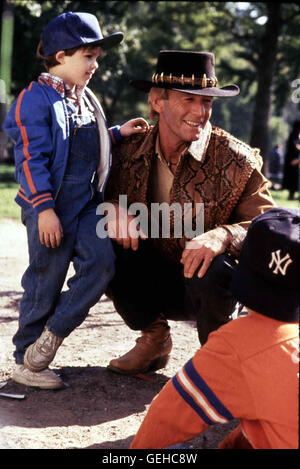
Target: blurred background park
<point x="256" y="45"/>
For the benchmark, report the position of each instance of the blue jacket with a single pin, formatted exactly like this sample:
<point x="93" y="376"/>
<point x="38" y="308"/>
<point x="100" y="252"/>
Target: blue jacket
<point x="38" y="124"/>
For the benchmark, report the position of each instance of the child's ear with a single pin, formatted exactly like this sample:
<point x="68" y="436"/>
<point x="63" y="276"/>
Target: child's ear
<point x="60" y="56"/>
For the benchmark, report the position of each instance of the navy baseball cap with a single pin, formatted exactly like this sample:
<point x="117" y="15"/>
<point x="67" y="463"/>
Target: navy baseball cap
<point x="266" y="279"/>
<point x="70" y="30"/>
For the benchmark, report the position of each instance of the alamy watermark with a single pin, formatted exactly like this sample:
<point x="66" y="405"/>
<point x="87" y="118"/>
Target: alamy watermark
<point x="159" y="220"/>
<point x="296" y="94"/>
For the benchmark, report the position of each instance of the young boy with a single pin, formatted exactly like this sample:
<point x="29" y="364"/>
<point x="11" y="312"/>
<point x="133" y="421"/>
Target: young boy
<point x="249" y="368"/>
<point x="63" y="156"/>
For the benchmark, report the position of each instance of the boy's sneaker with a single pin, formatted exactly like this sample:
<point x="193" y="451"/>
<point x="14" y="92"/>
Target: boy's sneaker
<point x="41" y="353"/>
<point x="45" y="379"/>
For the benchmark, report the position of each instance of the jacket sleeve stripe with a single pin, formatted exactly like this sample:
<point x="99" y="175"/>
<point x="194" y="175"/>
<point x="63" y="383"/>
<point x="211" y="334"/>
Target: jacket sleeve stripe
<point x="112" y="136"/>
<point x="23" y="197"/>
<point x="115" y="134"/>
<point x="25" y="141"/>
<point x="29" y="178"/>
<point x="42" y="81"/>
<point x="34" y="199"/>
<point x="199" y="398"/>
<point x="200" y="384"/>
<point x="42" y="201"/>
<point x="189" y="400"/>
<point x="44" y="197"/>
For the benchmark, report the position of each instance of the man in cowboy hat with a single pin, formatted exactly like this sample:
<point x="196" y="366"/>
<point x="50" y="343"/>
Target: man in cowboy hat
<point x="182" y="160"/>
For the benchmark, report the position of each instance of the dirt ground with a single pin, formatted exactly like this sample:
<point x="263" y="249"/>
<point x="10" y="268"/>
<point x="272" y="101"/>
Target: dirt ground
<point x="97" y="409"/>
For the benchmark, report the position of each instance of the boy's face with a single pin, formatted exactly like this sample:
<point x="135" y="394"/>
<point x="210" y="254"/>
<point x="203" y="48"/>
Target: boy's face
<point x="78" y="69"/>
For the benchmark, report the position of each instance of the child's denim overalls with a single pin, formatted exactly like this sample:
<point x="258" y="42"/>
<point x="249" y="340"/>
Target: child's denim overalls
<point x="43" y="303"/>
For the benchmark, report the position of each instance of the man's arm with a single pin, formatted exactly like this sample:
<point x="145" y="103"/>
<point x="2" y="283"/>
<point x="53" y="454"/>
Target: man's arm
<point x="256" y="199"/>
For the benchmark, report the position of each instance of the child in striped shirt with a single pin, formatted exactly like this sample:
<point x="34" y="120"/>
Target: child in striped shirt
<point x="249" y="368"/>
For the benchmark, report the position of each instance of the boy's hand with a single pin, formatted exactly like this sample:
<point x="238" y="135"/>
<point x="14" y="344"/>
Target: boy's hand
<point x="50" y="229"/>
<point x="134" y="126"/>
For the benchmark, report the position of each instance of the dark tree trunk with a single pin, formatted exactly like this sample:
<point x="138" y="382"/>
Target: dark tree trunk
<point x="266" y="66"/>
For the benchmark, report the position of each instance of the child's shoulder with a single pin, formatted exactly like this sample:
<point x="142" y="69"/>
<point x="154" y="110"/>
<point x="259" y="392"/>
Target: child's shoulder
<point x="32" y="104"/>
<point x="33" y="87"/>
<point x="32" y="93"/>
<point x="38" y="89"/>
<point x="34" y="96"/>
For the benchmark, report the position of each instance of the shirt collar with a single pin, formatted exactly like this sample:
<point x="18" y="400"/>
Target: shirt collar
<point x="61" y="87"/>
<point x="198" y="148"/>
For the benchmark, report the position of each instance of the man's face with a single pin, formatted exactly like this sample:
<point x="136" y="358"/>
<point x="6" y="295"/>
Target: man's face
<point x="183" y="116"/>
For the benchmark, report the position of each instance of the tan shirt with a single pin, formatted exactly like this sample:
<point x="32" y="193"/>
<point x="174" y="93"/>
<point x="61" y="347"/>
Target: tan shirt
<point x="161" y="178"/>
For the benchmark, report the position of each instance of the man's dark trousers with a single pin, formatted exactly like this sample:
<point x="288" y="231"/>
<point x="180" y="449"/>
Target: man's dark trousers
<point x="146" y="285"/>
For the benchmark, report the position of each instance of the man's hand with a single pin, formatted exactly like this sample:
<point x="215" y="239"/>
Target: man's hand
<point x="134" y="126"/>
<point x="203" y="249"/>
<point x="123" y="228"/>
<point x="50" y="229"/>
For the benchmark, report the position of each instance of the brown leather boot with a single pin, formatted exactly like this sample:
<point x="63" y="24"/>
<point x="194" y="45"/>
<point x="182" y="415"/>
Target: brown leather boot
<point x="150" y="353"/>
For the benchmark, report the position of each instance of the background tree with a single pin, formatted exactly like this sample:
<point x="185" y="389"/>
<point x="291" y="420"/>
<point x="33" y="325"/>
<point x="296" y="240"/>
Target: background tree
<point x="256" y="45"/>
<point x="269" y="37"/>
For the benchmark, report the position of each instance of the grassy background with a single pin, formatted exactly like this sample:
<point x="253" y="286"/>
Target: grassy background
<point x="9" y="188"/>
<point x="8" y="191"/>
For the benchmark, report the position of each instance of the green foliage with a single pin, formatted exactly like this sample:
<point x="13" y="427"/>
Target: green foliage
<point x="9" y="188"/>
<point x="281" y="199"/>
<point x="232" y="30"/>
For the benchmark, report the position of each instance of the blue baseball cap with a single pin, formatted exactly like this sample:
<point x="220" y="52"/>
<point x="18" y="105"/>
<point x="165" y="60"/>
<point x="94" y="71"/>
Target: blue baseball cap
<point x="70" y="30"/>
<point x="267" y="276"/>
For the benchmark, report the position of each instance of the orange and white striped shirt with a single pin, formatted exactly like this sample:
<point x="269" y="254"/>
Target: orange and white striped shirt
<point x="247" y="370"/>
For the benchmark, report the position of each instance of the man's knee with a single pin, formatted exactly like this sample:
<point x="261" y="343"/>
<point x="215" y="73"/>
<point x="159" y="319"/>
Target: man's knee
<point x="221" y="269"/>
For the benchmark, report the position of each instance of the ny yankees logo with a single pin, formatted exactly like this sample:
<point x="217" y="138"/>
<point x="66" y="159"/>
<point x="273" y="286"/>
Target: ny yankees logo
<point x="278" y="261"/>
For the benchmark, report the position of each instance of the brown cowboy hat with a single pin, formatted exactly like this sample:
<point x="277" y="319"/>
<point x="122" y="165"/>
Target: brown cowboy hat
<point x="188" y="71"/>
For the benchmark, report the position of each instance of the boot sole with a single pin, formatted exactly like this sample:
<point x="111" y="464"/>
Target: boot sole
<point x="155" y="365"/>
<point x="30" y="384"/>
